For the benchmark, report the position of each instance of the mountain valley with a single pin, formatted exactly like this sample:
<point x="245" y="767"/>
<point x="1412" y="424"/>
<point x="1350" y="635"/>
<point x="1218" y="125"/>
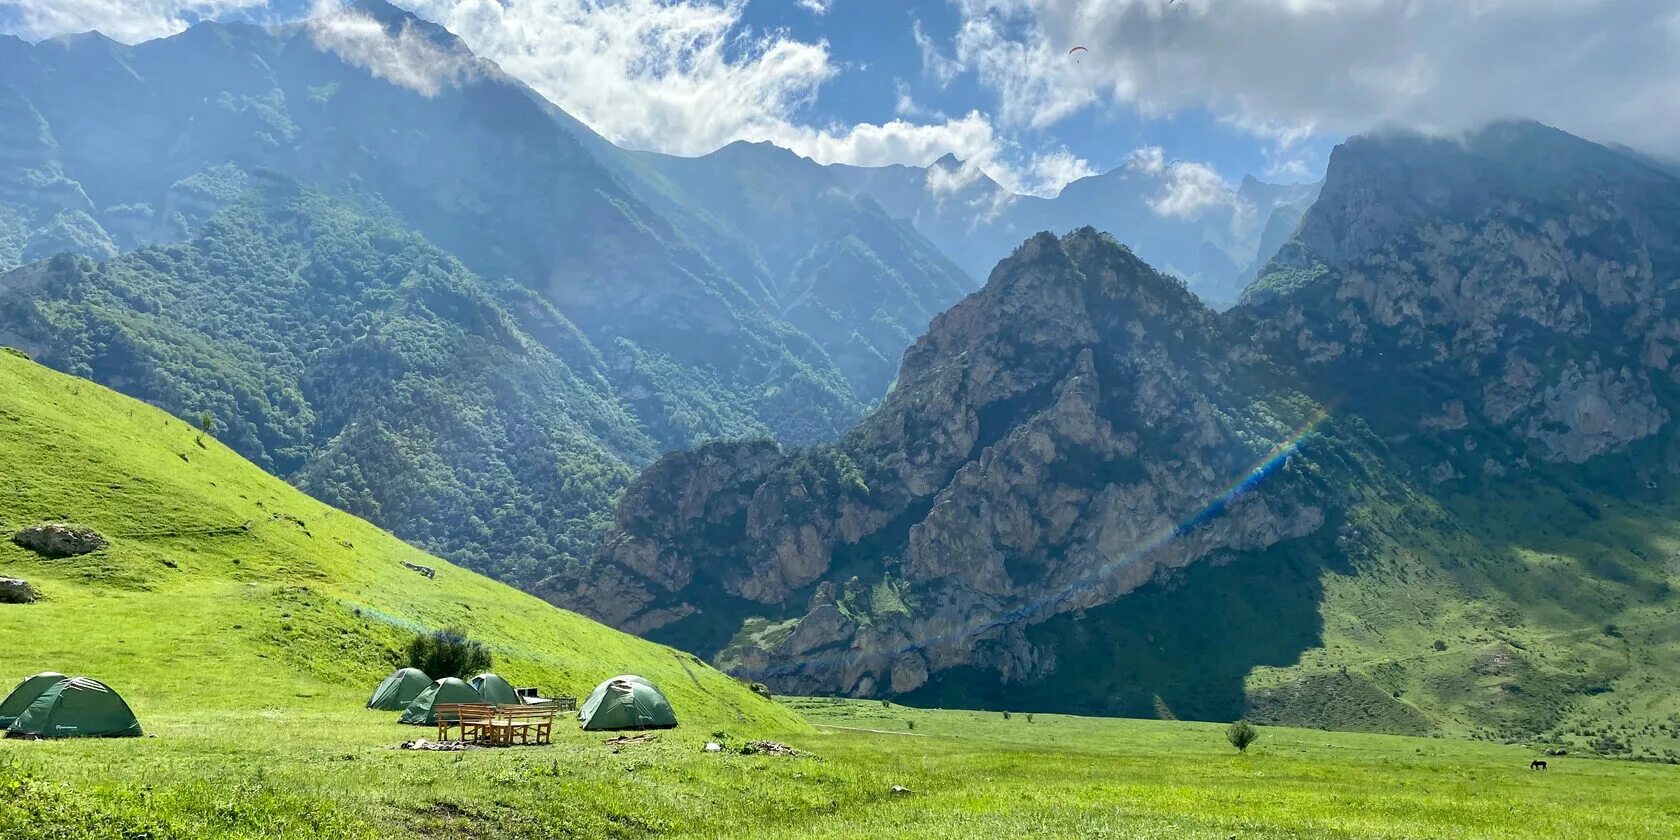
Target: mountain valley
<point x="1393" y="451"/>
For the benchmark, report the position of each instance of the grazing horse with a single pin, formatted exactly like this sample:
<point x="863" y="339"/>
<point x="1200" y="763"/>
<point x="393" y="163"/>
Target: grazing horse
<point x="1537" y="764"/>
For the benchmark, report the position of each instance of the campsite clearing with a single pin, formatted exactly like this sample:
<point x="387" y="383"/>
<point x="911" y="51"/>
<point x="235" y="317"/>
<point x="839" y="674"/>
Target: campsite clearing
<point x="323" y="766"/>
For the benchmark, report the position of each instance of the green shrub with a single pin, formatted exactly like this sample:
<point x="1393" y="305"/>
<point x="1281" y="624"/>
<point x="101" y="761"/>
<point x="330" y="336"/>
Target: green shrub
<point x="448" y="653"/>
<point x="1241" y="734"/>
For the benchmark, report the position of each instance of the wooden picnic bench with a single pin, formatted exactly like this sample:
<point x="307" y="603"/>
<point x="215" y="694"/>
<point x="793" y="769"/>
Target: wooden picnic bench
<point x="485" y="723"/>
<point x="471" y="718"/>
<point x="528" y="724"/>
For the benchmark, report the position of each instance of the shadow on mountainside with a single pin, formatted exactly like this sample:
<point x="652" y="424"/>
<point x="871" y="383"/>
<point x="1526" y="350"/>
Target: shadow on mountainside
<point x="1187" y="643"/>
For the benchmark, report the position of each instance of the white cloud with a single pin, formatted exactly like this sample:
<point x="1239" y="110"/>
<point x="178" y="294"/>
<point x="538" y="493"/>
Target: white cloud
<point x="129" y="21"/>
<point x="681" y="76"/>
<point x="897" y="141"/>
<point x="1036" y="82"/>
<point x="686" y="77"/>
<point x="935" y="64"/>
<point x="944" y="182"/>
<point x="1150" y="160"/>
<point x="905" y="104"/>
<point x="965" y="187"/>
<point x="1607" y="69"/>
<point x="1048" y="172"/>
<point x="1289" y="170"/>
<point x="1187" y="188"/>
<point x="406" y="57"/>
<point x="677" y="76"/>
<point x="816" y="7"/>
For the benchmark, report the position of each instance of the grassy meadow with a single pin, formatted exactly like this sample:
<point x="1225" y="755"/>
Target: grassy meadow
<point x="327" y="771"/>
<point x="246" y="624"/>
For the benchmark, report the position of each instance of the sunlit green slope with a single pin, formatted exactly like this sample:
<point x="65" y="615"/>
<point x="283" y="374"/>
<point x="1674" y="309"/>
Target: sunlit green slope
<point x="224" y="589"/>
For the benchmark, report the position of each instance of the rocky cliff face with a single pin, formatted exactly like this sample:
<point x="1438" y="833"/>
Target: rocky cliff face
<point x="1082" y="428"/>
<point x="1055" y="441"/>
<point x="1522" y="283"/>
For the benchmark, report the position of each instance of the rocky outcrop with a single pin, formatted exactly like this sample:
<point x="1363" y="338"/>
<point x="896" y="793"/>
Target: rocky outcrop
<point x="59" y="539"/>
<point x="16" y="591"/>
<point x="1055" y="441"/>
<point x="1580" y="412"/>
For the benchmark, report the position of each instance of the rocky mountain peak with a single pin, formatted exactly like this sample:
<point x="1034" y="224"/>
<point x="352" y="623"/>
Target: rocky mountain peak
<point x="964" y="510"/>
<point x="1083" y="427"/>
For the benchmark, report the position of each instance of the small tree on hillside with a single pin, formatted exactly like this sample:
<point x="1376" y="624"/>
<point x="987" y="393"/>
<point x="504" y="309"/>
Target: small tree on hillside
<point x="206" y="425"/>
<point x="1162" y="710"/>
<point x="448" y="653"/>
<point x="1241" y="734"/>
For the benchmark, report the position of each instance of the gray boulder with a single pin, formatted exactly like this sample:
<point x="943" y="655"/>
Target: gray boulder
<point x="59" y="539"/>
<point x="15" y="591"/>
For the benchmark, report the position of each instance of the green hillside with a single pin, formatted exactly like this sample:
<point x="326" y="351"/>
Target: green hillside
<point x="224" y="588"/>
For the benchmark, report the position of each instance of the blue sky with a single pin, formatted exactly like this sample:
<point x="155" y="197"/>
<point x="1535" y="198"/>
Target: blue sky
<point x="873" y="41"/>
<point x="1221" y="88"/>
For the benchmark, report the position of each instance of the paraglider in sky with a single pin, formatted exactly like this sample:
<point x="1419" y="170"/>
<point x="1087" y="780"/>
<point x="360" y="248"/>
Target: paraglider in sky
<point x="1077" y="49"/>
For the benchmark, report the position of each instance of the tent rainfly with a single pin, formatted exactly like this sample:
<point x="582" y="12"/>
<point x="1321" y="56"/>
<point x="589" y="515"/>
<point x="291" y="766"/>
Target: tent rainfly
<point x="77" y="708"/>
<point x="626" y="702"/>
<point x="496" y="690"/>
<point x="399" y="689"/>
<point x="446" y="690"/>
<point x="25" y="693"/>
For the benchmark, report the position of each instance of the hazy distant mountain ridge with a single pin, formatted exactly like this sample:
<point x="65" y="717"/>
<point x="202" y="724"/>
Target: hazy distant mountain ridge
<point x="1216" y="248"/>
<point x="833" y="262"/>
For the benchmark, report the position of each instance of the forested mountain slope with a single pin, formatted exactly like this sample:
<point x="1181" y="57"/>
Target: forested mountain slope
<point x="432" y="297"/>
<point x="349" y="355"/>
<point x="481" y="166"/>
<point x="840" y="269"/>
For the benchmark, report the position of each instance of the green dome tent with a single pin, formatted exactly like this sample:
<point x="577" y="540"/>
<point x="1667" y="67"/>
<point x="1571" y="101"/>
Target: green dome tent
<point x="626" y="702"/>
<point x="399" y="689"/>
<point x="446" y="690"/>
<point x="25" y="693"/>
<point x="77" y="708"/>
<point x="496" y="690"/>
